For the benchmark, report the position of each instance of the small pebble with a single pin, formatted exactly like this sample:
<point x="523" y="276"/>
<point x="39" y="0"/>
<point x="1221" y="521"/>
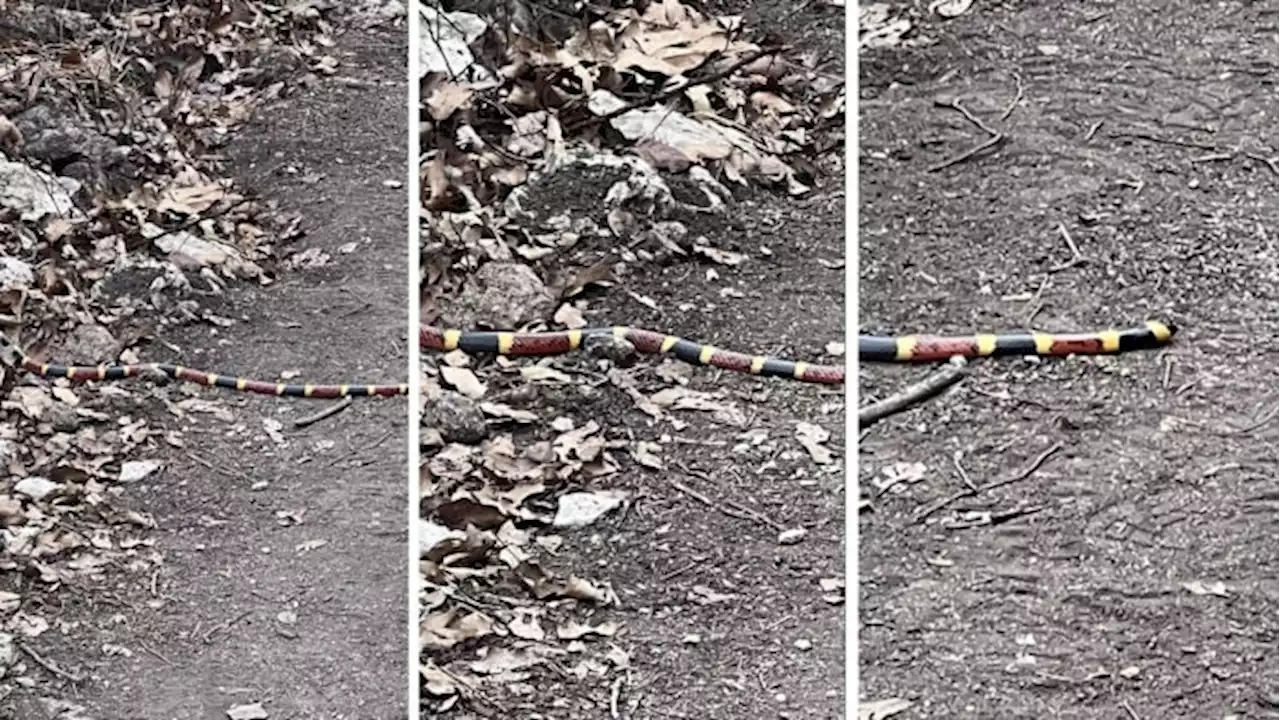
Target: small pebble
<point x="792" y="536"/>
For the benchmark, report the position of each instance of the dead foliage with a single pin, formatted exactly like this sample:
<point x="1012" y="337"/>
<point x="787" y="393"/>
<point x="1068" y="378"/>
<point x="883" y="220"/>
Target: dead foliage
<point x="115" y="221"/>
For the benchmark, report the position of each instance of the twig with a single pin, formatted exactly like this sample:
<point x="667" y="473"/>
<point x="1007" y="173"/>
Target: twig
<point x="759" y="517"/>
<point x="50" y="665"/>
<point x="318" y="416"/>
<point x="197" y="220"/>
<point x="219" y="469"/>
<point x="990" y="519"/>
<point x="1216" y="469"/>
<point x="672" y="574"/>
<point x="225" y="625"/>
<point x="1026" y="473"/>
<point x="1164" y="141"/>
<point x="954" y="104"/>
<point x="913" y="394"/>
<point x="671" y="92"/>
<point x="964" y="476"/>
<point x="1077" y="257"/>
<point x="1132" y="715"/>
<point x="991" y="142"/>
<point x="1137" y="185"/>
<point x="1075" y="251"/>
<point x="740" y="512"/>
<point x="1035" y="306"/>
<point x="1273" y="164"/>
<point x="1009" y="110"/>
<point x="614" y="694"/>
<point x="1215" y="157"/>
<point x="994" y="139"/>
<point x="156" y="653"/>
<point x="1266" y="418"/>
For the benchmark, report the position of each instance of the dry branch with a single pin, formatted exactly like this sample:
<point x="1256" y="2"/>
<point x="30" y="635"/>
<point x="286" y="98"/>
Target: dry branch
<point x="914" y="394"/>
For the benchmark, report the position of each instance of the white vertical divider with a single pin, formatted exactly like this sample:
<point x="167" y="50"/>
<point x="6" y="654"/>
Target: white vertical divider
<point x="415" y="353"/>
<point x="851" y="359"/>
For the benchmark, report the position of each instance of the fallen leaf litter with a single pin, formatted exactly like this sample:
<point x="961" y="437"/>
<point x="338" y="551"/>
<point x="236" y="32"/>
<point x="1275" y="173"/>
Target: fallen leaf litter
<point x="115" y="225"/>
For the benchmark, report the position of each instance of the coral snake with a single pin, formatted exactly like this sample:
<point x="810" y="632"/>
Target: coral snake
<point x="912" y="348"/>
<point x="81" y="373"/>
<point x="645" y="341"/>
<point x="931" y="348"/>
<point x="905" y="349"/>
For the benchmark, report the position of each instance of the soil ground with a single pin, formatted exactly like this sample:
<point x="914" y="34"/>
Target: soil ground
<point x="772" y="644"/>
<point x="661" y="553"/>
<point x="293" y="594"/>
<point x="776" y="648"/>
<point x="1144" y="129"/>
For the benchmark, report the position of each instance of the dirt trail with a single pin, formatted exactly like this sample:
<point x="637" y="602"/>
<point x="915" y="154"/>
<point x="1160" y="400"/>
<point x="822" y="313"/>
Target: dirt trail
<point x="722" y="621"/>
<point x="284" y="575"/>
<point x="1089" y="589"/>
<point x="718" y="615"/>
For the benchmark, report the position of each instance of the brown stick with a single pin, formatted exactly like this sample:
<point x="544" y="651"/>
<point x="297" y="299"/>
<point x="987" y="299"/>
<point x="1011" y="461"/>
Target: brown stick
<point x="1273" y="164"/>
<point x="991" y="142"/>
<point x="913" y="394"/>
<point x="1077" y="257"/>
<point x="738" y="511"/>
<point x="1023" y="475"/>
<point x="321" y="415"/>
<point x="1017" y="99"/>
<point x="49" y="665"/>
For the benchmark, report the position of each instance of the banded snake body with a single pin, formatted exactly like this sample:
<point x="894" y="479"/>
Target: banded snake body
<point x="905" y="349"/>
<point x="910" y="348"/>
<point x="932" y="348"/>
<point x="645" y="341"/>
<point x="15" y="356"/>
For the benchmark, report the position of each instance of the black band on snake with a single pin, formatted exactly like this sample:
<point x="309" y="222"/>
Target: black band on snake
<point x="84" y="373"/>
<point x="645" y="341"/>
<point x="931" y="348"/>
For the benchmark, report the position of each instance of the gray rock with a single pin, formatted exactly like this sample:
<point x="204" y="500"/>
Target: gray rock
<point x="35" y="195"/>
<point x="616" y="350"/>
<point x="500" y="295"/>
<point x="63" y="418"/>
<point x="74" y="149"/>
<point x="15" y="274"/>
<point x="135" y="470"/>
<point x="90" y="344"/>
<point x="136" y="280"/>
<point x="457" y="418"/>
<point x="36" y="488"/>
<point x="59" y="138"/>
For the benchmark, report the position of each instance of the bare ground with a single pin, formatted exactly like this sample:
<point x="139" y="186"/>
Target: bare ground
<point x="775" y="646"/>
<point x="1145" y="129"/>
<point x="776" y="640"/>
<point x="283" y="579"/>
<point x="720" y="621"/>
